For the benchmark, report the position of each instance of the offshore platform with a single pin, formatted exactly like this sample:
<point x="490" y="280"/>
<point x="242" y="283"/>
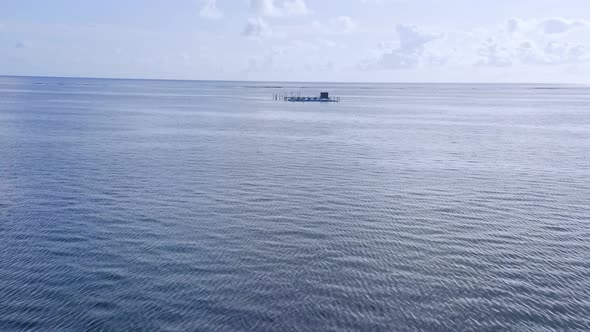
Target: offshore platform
<point x="323" y="97"/>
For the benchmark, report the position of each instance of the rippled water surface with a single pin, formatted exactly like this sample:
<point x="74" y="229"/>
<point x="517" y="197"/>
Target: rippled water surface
<point x="161" y="205"/>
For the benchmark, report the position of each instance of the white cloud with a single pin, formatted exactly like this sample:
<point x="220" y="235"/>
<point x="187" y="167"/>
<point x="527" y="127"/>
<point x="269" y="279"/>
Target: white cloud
<point x="209" y="10"/>
<point x="548" y="41"/>
<point x="547" y="26"/>
<point x="412" y="38"/>
<point x="264" y="7"/>
<point x="274" y="8"/>
<point x="332" y="26"/>
<point x="563" y="52"/>
<point x="409" y="52"/>
<point x="560" y="25"/>
<point x="256" y="28"/>
<point x="295" y="7"/>
<point x="343" y="24"/>
<point x="494" y="54"/>
<point x="512" y="25"/>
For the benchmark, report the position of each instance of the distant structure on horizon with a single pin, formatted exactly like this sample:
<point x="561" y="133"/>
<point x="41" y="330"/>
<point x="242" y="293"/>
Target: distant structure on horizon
<point x="323" y="97"/>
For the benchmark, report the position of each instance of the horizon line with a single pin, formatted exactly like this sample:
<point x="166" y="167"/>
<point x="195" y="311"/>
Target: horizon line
<point x="277" y="81"/>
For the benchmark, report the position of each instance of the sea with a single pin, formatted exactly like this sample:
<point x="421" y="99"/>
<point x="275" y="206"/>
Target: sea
<point x="153" y="205"/>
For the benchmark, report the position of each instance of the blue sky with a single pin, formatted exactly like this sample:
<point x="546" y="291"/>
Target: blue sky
<point x="304" y="40"/>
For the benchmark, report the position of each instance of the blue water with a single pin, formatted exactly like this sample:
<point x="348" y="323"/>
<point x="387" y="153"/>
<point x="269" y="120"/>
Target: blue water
<point x="162" y="205"/>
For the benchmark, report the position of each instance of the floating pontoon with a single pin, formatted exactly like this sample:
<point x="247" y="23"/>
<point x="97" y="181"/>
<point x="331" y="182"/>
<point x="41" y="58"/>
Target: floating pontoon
<point x="323" y="97"/>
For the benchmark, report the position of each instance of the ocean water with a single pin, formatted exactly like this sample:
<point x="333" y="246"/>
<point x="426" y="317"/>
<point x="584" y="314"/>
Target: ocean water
<point x="188" y="206"/>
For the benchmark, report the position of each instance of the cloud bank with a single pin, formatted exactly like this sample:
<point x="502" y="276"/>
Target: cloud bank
<point x="547" y="41"/>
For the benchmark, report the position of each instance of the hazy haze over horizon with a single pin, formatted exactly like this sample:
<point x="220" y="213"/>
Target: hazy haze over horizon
<point x="300" y="40"/>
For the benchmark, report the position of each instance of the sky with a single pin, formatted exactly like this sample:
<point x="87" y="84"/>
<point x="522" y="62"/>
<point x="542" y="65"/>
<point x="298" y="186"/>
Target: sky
<point x="299" y="40"/>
